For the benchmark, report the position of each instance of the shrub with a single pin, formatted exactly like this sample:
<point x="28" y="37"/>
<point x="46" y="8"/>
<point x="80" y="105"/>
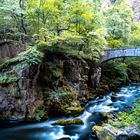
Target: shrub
<point x="8" y="79"/>
<point x="32" y="56"/>
<point x="135" y="34"/>
<point x="130" y="118"/>
<point x="39" y="115"/>
<point x="114" y="43"/>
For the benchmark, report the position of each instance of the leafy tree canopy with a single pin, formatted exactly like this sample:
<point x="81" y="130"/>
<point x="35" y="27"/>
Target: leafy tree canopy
<point x="79" y="25"/>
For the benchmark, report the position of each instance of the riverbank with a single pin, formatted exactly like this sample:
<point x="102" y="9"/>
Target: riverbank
<point x="122" y="125"/>
<point x="40" y="83"/>
<point x="93" y="115"/>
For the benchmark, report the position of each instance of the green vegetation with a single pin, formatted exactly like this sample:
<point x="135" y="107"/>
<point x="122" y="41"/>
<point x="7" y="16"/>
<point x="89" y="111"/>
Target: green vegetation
<point x="118" y="23"/>
<point x="131" y="118"/>
<point x="77" y="28"/>
<point x="72" y="25"/>
<point x="120" y="71"/>
<point x="75" y="110"/>
<point x="58" y="94"/>
<point x="8" y="79"/>
<point x="30" y="57"/>
<point x="135" y="35"/>
<point x="65" y="102"/>
<point x="39" y="115"/>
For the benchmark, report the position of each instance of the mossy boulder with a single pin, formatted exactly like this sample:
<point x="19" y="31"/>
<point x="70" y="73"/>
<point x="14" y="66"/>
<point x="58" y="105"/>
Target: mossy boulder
<point x="75" y="111"/>
<point x="97" y="128"/>
<point x="108" y="132"/>
<point x="104" y="133"/>
<point x="68" y="122"/>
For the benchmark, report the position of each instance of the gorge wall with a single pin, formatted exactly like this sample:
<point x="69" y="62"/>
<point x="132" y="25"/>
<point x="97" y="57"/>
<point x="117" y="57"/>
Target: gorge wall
<point x="57" y="86"/>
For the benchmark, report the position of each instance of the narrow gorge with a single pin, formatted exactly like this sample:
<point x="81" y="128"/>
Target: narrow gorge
<point x="70" y="70"/>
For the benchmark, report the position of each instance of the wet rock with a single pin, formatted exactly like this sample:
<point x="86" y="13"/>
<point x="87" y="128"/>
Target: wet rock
<point x="113" y="98"/>
<point x="109" y="132"/>
<point x="9" y="49"/>
<point x="68" y="122"/>
<point x="17" y="100"/>
<point x="66" y="138"/>
<point x="75" y="111"/>
<point x="77" y="78"/>
<point x="105" y="88"/>
<point x="104" y="115"/>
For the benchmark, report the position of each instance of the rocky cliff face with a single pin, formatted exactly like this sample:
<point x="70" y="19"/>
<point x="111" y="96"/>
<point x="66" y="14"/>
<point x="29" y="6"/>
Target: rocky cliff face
<point x="58" y="86"/>
<point x="136" y="9"/>
<point x="9" y="49"/>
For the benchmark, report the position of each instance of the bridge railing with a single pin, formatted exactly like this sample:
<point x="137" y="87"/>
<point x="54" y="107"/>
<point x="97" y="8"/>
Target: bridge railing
<point x="132" y="47"/>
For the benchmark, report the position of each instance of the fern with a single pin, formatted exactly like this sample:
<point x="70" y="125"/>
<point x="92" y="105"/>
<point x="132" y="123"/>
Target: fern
<point x="32" y="56"/>
<point x="8" y="79"/>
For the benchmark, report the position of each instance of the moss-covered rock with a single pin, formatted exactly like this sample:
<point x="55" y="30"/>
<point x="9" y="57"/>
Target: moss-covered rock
<point x="75" y="111"/>
<point x="68" y="122"/>
<point x="97" y="128"/>
<point x="45" y="79"/>
<point x="109" y="132"/>
<point x="64" y="103"/>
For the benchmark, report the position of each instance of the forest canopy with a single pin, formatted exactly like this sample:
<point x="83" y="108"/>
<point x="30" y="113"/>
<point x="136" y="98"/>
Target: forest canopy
<point x="78" y="25"/>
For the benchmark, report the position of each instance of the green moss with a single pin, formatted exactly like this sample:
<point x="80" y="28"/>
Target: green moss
<point x="126" y="119"/>
<point x="8" y="79"/>
<point x="58" y="94"/>
<point x="102" y="133"/>
<point x="57" y="73"/>
<point x="68" y="122"/>
<point x="96" y="128"/>
<point x="65" y="102"/>
<point x="75" y="111"/>
<point x="39" y="115"/>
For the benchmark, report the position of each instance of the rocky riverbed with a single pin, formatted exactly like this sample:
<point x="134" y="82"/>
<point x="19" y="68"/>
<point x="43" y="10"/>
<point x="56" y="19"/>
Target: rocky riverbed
<point x="92" y="116"/>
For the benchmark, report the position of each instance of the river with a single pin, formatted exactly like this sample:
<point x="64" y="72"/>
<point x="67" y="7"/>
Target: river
<point x="112" y="102"/>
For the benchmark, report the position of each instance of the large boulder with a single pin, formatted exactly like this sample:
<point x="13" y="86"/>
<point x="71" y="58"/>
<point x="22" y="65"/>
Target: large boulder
<point x="109" y="132"/>
<point x="68" y="122"/>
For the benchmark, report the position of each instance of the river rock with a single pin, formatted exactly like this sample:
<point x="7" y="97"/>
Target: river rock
<point x="109" y="132"/>
<point x="68" y="122"/>
<point x="75" y="111"/>
<point x="65" y="138"/>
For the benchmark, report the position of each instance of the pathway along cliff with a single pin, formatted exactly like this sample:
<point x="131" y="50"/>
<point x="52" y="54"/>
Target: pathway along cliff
<point x="91" y="116"/>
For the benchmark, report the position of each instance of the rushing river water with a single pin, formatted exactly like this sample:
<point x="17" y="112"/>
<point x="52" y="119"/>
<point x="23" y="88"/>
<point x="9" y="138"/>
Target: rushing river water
<point x="122" y="100"/>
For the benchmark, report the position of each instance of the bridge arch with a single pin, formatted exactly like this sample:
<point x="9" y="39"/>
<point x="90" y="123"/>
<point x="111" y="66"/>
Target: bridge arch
<point x="118" y="53"/>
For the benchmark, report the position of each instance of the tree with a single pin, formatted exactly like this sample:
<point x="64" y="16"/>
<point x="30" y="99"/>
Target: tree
<point x="12" y="19"/>
<point x="118" y="21"/>
<point x="78" y="24"/>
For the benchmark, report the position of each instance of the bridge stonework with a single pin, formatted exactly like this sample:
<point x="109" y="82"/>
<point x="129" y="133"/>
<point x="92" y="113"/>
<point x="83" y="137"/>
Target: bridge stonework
<point x="118" y="53"/>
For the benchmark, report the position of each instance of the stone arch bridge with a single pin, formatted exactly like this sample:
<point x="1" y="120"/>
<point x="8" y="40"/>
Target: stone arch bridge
<point x="118" y="53"/>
